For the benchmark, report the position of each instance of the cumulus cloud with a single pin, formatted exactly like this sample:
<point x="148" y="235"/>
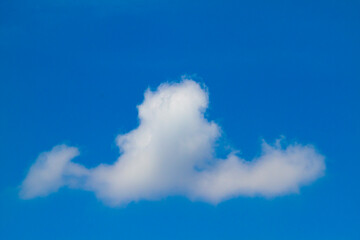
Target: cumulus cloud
<point x="51" y="171"/>
<point x="172" y="152"/>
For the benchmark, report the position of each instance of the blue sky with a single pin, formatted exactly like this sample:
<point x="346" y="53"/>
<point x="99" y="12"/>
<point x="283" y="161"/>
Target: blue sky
<point x="73" y="73"/>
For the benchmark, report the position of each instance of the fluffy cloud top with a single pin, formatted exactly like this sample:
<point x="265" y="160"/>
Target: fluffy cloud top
<point x="171" y="152"/>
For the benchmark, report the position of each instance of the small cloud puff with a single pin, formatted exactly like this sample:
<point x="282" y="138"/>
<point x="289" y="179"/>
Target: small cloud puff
<point x="172" y="152"/>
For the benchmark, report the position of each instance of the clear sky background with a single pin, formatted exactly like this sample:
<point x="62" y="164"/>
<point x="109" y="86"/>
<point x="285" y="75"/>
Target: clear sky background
<point x="73" y="72"/>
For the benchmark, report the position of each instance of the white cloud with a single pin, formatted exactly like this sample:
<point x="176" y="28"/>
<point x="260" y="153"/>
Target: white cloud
<point x="172" y="152"/>
<point x="51" y="171"/>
